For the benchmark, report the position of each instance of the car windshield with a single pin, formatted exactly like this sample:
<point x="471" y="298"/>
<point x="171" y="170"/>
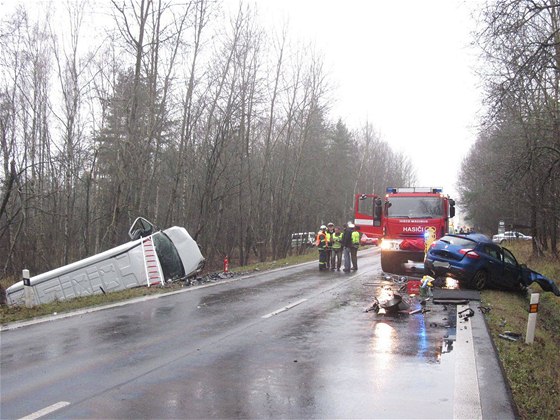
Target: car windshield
<point x="415" y="207"/>
<point x="170" y="261"/>
<point x="458" y="241"/>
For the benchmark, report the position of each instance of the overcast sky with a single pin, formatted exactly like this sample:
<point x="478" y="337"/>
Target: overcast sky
<point x="405" y="66"/>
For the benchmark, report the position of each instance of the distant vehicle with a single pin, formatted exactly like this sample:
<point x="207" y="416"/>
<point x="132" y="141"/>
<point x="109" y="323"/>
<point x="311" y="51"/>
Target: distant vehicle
<point x="510" y="236"/>
<point x="366" y="240"/>
<point x="303" y="239"/>
<point x="150" y="258"/>
<point x="477" y="263"/>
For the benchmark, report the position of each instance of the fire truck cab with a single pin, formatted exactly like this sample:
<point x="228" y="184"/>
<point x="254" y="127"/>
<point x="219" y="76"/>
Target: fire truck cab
<point x="407" y="220"/>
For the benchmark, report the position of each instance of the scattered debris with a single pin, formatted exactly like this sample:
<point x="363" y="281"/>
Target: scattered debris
<point x="510" y="336"/>
<point x="373" y="307"/>
<point x="426" y="285"/>
<point x="467" y="315"/>
<point x="213" y="277"/>
<point x="389" y="302"/>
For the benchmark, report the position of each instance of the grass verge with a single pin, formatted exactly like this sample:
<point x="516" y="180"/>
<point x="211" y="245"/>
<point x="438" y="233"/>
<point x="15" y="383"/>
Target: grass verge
<point x="532" y="370"/>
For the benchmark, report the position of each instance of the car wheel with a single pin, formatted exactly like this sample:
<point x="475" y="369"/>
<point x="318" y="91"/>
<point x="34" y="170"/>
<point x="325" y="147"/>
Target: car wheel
<point x="479" y="280"/>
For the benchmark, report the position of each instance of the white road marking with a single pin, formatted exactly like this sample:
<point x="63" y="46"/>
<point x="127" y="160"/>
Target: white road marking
<point x="46" y="410"/>
<point x="285" y="308"/>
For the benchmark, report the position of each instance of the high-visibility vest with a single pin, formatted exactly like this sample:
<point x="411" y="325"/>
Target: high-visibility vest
<point x="336" y="240"/>
<point x="356" y="238"/>
<point x="330" y="236"/>
<point x="321" y="240"/>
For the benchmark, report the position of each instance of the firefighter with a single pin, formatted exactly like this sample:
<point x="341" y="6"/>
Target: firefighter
<point x="330" y="233"/>
<point x="355" y="245"/>
<point x="336" y="252"/>
<point x="322" y="244"/>
<point x="347" y="245"/>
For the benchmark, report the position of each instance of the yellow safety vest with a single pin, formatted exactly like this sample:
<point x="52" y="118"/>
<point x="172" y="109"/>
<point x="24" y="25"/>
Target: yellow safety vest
<point x="337" y="240"/>
<point x="356" y="237"/>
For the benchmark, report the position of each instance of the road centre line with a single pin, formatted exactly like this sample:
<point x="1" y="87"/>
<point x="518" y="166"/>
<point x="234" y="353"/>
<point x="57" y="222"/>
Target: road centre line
<point x="46" y="410"/>
<point x="285" y="308"/>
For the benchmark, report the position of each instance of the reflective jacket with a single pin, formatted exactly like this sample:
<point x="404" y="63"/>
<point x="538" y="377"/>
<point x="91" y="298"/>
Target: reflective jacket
<point x="321" y="240"/>
<point x="356" y="238"/>
<point x="330" y="236"/>
<point x="337" y="240"/>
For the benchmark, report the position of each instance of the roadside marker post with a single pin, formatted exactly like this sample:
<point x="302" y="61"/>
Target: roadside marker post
<point x="27" y="290"/>
<point x="226" y="264"/>
<point x="532" y="321"/>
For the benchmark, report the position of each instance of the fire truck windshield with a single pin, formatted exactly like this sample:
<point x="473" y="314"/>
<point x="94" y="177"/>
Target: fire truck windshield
<point x="415" y="207"/>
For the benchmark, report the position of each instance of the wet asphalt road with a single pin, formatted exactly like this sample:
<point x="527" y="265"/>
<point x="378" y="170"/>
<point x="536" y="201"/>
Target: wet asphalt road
<point x="293" y="343"/>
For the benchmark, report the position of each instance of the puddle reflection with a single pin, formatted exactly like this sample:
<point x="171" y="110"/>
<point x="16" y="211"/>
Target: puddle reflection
<point x="382" y="344"/>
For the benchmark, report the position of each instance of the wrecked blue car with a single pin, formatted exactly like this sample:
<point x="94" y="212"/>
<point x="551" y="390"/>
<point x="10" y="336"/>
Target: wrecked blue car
<point x="478" y="263"/>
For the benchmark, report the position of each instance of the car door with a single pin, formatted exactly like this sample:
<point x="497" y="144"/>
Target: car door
<point x="494" y="261"/>
<point x="512" y="270"/>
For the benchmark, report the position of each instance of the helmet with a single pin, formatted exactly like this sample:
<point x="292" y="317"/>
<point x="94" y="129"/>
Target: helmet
<point x="323" y="227"/>
<point x="350" y="225"/>
<point x="330" y="224"/>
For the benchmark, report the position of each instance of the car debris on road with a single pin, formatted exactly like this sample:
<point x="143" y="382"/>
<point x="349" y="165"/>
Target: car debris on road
<point x="510" y="336"/>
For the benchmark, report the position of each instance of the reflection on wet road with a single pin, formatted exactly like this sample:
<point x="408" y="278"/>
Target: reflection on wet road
<point x="212" y="353"/>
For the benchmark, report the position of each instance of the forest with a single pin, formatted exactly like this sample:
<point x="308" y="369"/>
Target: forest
<point x="177" y="112"/>
<point x="512" y="172"/>
<point x="189" y="115"/>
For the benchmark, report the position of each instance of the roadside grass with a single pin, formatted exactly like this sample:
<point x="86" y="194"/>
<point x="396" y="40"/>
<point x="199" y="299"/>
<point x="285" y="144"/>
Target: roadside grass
<point x="532" y="370"/>
<point x="21" y="313"/>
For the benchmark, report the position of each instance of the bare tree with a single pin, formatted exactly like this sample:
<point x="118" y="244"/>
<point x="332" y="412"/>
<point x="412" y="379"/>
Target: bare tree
<point x="521" y="47"/>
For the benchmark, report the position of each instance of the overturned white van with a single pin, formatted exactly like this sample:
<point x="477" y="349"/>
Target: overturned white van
<point x="149" y="259"/>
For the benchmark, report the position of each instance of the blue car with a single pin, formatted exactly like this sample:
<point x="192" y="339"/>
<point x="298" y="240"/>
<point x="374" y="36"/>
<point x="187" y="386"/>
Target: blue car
<point x="478" y="263"/>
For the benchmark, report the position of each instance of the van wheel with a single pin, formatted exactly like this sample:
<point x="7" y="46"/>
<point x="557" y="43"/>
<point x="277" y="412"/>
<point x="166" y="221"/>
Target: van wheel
<point x="479" y="280"/>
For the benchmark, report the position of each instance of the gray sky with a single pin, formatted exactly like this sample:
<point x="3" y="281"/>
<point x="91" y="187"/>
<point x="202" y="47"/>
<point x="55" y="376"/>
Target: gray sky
<point x="405" y="66"/>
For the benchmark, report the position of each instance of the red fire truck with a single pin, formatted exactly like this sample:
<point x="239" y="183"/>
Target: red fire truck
<point x="407" y="219"/>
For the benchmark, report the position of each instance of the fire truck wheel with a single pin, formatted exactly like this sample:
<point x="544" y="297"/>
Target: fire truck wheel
<point x="389" y="264"/>
<point x="480" y="279"/>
